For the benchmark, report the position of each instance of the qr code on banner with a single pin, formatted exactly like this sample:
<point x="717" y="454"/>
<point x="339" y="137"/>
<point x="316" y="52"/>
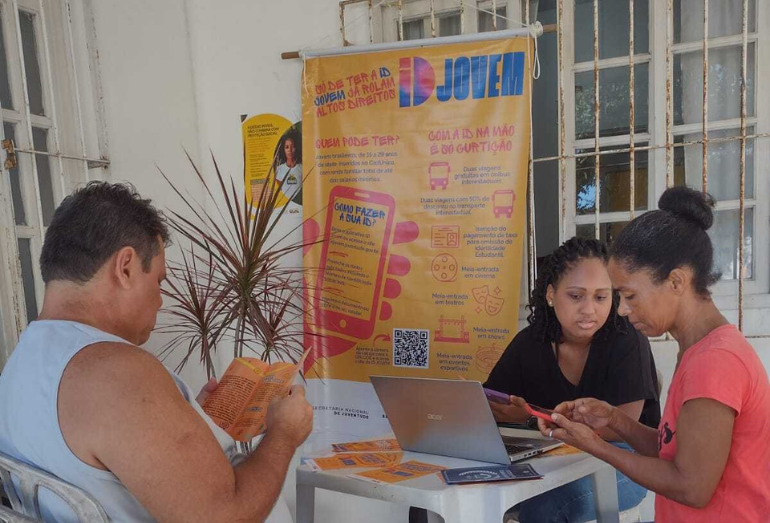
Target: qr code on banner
<point x="410" y="348"/>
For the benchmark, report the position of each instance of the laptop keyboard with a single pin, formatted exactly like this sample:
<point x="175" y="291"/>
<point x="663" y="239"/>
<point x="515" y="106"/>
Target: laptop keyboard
<point x="515" y="449"/>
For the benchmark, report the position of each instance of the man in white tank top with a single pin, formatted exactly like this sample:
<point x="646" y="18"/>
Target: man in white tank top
<point x="79" y="398"/>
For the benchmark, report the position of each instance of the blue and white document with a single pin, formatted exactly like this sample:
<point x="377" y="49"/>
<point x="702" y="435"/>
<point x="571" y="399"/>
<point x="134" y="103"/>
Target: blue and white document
<point x="490" y="473"/>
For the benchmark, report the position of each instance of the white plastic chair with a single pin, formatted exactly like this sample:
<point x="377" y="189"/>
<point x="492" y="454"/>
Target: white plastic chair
<point x="26" y="508"/>
<point x="11" y="516"/>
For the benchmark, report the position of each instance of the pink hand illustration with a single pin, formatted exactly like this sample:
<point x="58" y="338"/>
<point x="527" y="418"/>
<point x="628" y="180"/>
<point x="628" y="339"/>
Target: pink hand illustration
<point x="319" y="340"/>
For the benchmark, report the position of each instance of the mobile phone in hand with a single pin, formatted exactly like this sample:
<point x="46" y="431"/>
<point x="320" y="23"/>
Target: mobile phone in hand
<point x="497" y="397"/>
<point x="539" y="412"/>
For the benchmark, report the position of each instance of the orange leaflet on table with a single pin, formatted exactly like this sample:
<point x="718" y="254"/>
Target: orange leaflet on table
<point x="382" y="445"/>
<point x="398" y="473"/>
<point x="349" y="461"/>
<point x="563" y="450"/>
<point x="239" y="403"/>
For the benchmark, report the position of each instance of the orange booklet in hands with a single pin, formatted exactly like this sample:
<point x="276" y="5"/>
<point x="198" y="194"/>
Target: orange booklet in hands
<point x="239" y="403"/>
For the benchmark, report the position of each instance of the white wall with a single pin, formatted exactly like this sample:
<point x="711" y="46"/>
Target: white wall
<point x="149" y="97"/>
<point x="236" y="47"/>
<point x="177" y="74"/>
<point x="150" y="114"/>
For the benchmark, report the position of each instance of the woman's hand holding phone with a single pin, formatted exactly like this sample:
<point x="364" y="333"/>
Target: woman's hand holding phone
<point x="595" y="413"/>
<point x="511" y="412"/>
<point x="578" y="423"/>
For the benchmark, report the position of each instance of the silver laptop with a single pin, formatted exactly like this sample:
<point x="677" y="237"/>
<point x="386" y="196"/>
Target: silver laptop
<point x="450" y="418"/>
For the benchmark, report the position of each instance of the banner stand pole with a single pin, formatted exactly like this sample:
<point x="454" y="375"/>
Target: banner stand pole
<point x="534" y="30"/>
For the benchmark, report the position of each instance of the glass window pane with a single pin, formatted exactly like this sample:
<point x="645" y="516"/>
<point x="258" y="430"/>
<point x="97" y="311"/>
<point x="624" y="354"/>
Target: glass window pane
<point x="485" y="20"/>
<point x="723" y="164"/>
<point x="449" y="25"/>
<point x="613" y="29"/>
<point x="413" y="30"/>
<point x="614" y="116"/>
<point x="546" y="92"/>
<point x="545" y="141"/>
<point x="19" y="214"/>
<point x="724" y="235"/>
<point x="31" y="62"/>
<point x="607" y="231"/>
<point x="725" y="19"/>
<point x="43" y="163"/>
<point x="5" y="89"/>
<point x="614" y="184"/>
<point x="547" y="203"/>
<point x="724" y="97"/>
<point x="28" y="278"/>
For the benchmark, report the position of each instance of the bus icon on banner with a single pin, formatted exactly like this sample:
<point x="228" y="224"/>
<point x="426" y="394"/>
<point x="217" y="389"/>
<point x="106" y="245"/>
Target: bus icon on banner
<point x="502" y="202"/>
<point x="438" y="174"/>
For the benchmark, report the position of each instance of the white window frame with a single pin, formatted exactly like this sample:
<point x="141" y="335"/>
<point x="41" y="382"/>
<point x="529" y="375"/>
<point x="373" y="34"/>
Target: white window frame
<point x="511" y="11"/>
<point x="420" y="10"/>
<point x="725" y="292"/>
<point x="76" y="148"/>
<point x="760" y="281"/>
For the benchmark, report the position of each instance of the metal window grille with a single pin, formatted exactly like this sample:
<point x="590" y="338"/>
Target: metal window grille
<point x="571" y="150"/>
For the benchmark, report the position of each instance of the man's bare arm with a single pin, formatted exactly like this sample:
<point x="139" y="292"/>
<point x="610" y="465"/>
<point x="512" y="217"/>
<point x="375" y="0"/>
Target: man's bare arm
<point x="119" y="409"/>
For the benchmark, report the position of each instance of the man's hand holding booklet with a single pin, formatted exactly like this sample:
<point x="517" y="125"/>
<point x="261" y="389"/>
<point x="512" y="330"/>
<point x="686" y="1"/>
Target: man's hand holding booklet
<point x="239" y="403"/>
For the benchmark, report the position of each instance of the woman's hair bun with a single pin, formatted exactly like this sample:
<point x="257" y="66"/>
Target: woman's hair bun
<point x="689" y="204"/>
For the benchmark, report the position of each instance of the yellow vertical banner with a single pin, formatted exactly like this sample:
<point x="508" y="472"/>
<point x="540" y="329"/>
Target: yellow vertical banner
<point x="415" y="214"/>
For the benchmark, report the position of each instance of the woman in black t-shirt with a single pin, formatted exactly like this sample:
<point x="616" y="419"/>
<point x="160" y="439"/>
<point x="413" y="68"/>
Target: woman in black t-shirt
<point x="576" y="346"/>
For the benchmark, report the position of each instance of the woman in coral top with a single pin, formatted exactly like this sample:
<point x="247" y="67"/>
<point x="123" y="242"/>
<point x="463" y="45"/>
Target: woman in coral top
<point x="709" y="460"/>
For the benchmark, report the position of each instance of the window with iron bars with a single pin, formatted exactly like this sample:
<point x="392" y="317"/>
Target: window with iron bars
<point x="42" y="105"/>
<point x="612" y="154"/>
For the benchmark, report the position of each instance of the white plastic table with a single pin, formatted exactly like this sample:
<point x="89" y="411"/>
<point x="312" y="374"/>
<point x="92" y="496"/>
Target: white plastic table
<point x="484" y="502"/>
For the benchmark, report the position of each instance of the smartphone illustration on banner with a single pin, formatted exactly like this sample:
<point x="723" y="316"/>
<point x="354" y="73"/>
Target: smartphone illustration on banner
<point x="358" y="231"/>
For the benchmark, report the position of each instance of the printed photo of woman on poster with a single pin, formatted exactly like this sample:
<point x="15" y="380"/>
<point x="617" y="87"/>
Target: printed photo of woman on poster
<point x="288" y="169"/>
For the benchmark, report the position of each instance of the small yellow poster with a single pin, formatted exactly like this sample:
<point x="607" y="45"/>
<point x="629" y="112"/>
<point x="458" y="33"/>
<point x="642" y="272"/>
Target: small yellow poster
<point x="272" y="148"/>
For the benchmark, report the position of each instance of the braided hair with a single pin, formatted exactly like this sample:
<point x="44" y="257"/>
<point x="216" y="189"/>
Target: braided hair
<point x="542" y="318"/>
